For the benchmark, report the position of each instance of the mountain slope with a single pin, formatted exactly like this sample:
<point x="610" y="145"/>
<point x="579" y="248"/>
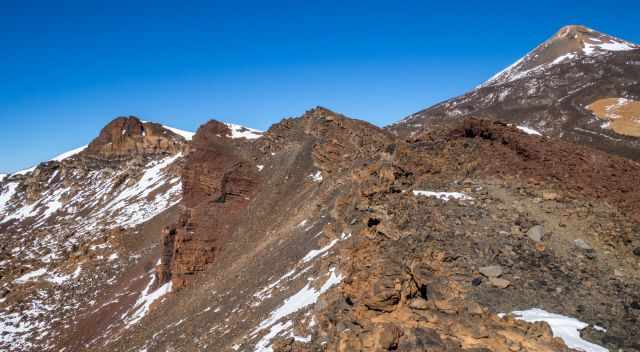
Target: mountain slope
<point x="552" y="90"/>
<point x="81" y="235"/>
<point x="62" y="224"/>
<point x="328" y="233"/>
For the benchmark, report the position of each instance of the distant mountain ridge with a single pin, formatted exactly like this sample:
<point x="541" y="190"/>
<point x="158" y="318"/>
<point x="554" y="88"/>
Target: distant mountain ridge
<point x="553" y="88"/>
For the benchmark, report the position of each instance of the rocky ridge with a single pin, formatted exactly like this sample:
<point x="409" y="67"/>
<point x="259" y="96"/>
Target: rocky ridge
<point x="325" y="234"/>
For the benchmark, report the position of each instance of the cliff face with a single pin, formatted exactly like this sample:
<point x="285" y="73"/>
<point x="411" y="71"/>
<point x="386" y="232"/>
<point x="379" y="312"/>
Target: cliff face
<point x="218" y="183"/>
<point x="127" y="136"/>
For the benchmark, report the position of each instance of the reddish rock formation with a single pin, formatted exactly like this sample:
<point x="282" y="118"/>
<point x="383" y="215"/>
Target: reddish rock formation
<point x="410" y="278"/>
<point x="218" y="182"/>
<point x="126" y="136"/>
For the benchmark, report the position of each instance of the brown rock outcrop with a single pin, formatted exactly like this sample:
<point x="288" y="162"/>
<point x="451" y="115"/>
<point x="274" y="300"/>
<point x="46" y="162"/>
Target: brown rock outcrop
<point x="127" y="136"/>
<point x="218" y="182"/>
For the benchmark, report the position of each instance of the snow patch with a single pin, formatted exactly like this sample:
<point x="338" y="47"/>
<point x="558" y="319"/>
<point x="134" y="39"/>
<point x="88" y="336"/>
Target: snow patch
<point x="145" y="300"/>
<point x="564" y="57"/>
<point x="184" y="134"/>
<point x="316" y="177"/>
<point x="567" y="328"/>
<point x="592" y="48"/>
<point x="70" y="153"/>
<point x="528" y="130"/>
<point x="30" y="276"/>
<point x="446" y="196"/>
<point x="264" y="344"/>
<point x="238" y="131"/>
<point x="303" y="298"/>
<point x="6" y="194"/>
<point x="317" y="252"/>
<point x="132" y="201"/>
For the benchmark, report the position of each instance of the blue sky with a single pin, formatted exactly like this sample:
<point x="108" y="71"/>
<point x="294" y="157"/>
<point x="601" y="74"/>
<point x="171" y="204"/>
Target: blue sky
<point x="68" y="68"/>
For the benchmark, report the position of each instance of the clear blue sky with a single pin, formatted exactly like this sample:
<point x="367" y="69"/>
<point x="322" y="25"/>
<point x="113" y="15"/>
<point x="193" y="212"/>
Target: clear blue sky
<point x="67" y="68"/>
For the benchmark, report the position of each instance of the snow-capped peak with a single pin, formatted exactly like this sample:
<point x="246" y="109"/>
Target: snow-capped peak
<point x="569" y="44"/>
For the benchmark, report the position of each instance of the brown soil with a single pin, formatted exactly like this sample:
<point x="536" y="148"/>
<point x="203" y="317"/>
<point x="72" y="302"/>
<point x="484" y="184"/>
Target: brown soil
<point x="623" y="115"/>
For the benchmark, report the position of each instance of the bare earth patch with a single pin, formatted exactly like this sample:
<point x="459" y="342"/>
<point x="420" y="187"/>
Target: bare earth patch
<point x="622" y="115"/>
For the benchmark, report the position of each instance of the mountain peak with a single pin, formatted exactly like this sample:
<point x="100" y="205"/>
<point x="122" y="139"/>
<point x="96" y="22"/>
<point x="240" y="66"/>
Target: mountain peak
<point x="127" y="135"/>
<point x="570" y="43"/>
<point x="572" y="30"/>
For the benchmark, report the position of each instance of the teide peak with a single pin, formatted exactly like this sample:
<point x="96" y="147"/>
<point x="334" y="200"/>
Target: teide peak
<point x="580" y="85"/>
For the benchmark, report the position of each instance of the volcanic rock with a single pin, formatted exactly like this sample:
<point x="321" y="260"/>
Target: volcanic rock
<point x="536" y="233"/>
<point x="491" y="271"/>
<point x="128" y="136"/>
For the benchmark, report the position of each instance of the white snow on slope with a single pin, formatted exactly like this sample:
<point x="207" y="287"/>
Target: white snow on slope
<point x="528" y="130"/>
<point x="5" y="196"/>
<point x="59" y="157"/>
<point x="147" y="297"/>
<point x="131" y="201"/>
<point x="317" y="252"/>
<point x="2" y="177"/>
<point x="126" y="205"/>
<point x="591" y="49"/>
<point x="238" y="131"/>
<point x="43" y="208"/>
<point x="185" y="134"/>
<point x="60" y="279"/>
<point x="17" y="328"/>
<point x="443" y="195"/>
<point x="70" y="153"/>
<point x="567" y="328"/>
<point x="30" y="276"/>
<point x="564" y="57"/>
<point x="303" y="298"/>
<point x="506" y="70"/>
<point x="277" y="329"/>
